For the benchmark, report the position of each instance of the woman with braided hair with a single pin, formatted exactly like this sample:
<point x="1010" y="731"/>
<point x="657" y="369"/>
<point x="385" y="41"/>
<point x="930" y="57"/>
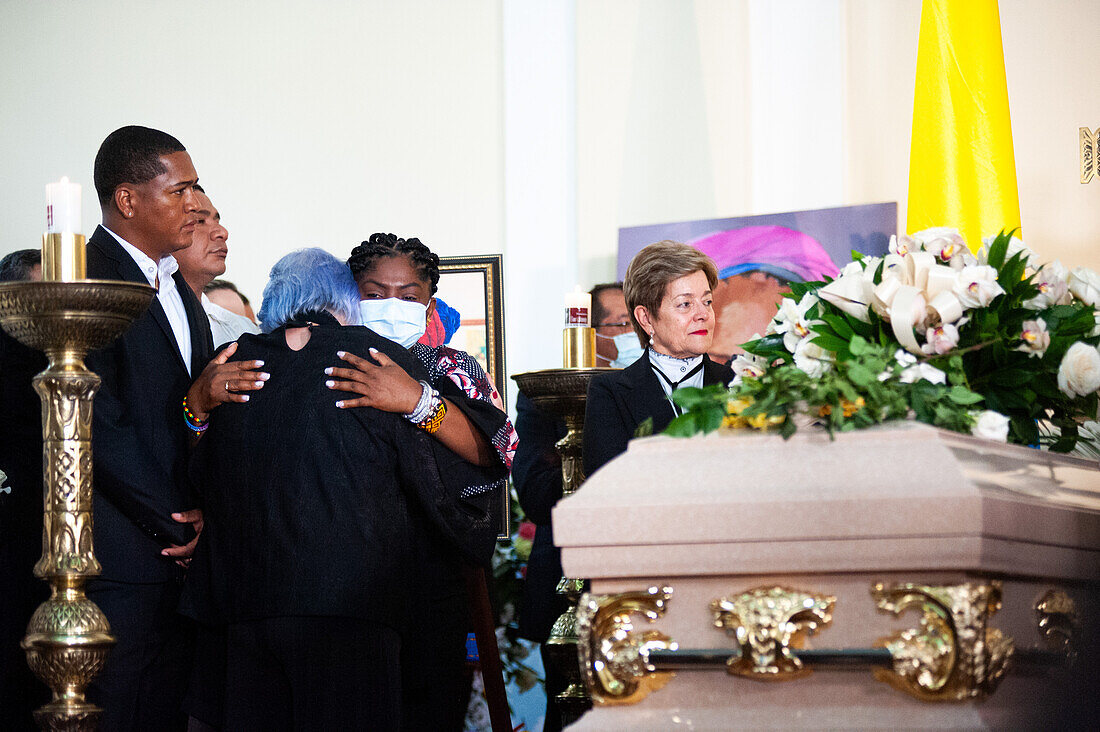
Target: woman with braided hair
<point x="397" y="280"/>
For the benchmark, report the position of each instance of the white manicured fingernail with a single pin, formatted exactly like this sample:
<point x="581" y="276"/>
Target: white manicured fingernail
<point x="341" y="354"/>
<point x="265" y="376"/>
<point x="257" y="384"/>
<point x="330" y="384"/>
<point x="340" y="404"/>
<point x="373" y="350"/>
<point x="329" y="371"/>
<point x="244" y="398"/>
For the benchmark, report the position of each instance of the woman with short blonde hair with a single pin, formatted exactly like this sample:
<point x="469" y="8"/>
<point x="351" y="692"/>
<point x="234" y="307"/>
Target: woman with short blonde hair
<point x="668" y="287"/>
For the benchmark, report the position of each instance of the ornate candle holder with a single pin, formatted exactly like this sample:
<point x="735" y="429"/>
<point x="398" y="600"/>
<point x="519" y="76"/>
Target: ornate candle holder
<point x="564" y="393"/>
<point x="68" y="637"/>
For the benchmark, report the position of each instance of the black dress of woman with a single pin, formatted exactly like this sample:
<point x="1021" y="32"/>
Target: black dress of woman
<point x="318" y="524"/>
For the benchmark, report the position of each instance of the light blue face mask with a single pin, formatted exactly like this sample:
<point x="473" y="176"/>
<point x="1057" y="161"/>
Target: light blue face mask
<point x="628" y="347"/>
<point x="402" y="321"/>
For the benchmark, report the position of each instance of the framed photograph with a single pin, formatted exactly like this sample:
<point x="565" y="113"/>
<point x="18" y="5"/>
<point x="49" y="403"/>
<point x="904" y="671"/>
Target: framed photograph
<point x="473" y="287"/>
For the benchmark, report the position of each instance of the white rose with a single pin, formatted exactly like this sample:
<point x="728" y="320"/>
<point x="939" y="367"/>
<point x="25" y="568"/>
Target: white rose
<point x="991" y="425"/>
<point x="1079" y="372"/>
<point x="812" y="359"/>
<point x="1035" y="337"/>
<point x="976" y="286"/>
<point x="940" y="339"/>
<point x="1085" y="285"/>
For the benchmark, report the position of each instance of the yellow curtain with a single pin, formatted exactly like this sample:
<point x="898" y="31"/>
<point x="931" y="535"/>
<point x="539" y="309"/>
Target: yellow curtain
<point x="962" y="171"/>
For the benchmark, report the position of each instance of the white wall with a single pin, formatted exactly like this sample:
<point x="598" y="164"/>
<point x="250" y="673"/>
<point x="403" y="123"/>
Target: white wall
<point x="310" y="123"/>
<point x="535" y="128"/>
<point x="1050" y="51"/>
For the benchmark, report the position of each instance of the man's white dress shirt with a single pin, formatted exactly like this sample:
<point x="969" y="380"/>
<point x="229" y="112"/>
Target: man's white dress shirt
<point x="170" y="299"/>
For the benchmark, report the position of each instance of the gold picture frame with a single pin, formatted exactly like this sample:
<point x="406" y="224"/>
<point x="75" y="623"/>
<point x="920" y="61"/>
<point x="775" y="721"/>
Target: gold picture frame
<point x="474" y="286"/>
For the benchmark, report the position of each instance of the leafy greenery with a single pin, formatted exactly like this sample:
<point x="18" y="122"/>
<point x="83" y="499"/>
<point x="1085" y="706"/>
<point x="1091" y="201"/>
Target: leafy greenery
<point x="864" y="389"/>
<point x="864" y="376"/>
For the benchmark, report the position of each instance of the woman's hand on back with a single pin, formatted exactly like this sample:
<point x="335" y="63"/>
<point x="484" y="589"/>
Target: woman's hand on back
<point x="383" y="385"/>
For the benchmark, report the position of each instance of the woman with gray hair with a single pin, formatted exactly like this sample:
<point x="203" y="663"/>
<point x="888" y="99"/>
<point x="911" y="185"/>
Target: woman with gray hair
<point x="311" y="515"/>
<point x="668" y="288"/>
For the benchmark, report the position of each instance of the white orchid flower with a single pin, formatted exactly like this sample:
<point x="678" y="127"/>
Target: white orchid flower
<point x="976" y="286"/>
<point x="747" y="364"/>
<point x="945" y="242"/>
<point x="940" y="339"/>
<point x="791" y="320"/>
<point x="1035" y="337"/>
<point x="1051" y="280"/>
<point x="812" y="359"/>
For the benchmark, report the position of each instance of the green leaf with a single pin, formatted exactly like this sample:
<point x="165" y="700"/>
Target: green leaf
<point x="859" y="346"/>
<point x="840" y="325"/>
<point x="997" y="251"/>
<point x="962" y="395"/>
<point x="830" y="342"/>
<point x="710" y="419"/>
<point x="682" y="426"/>
<point x="645" y="428"/>
<point x="861" y="375"/>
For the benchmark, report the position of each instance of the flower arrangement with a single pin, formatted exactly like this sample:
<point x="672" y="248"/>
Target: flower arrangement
<point x="509" y="565"/>
<point x="992" y="344"/>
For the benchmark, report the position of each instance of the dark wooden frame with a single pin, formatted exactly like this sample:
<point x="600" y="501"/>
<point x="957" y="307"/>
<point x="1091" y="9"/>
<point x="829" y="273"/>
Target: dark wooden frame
<point x="491" y="267"/>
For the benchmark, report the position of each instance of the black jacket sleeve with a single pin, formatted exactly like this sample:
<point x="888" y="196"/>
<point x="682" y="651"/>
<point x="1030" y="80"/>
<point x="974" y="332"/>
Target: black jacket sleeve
<point x="608" y="424"/>
<point x="536" y="470"/>
<point x="125" y="471"/>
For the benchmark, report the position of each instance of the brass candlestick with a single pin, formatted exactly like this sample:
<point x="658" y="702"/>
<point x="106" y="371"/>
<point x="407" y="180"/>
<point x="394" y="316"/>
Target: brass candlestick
<point x="564" y="393"/>
<point x="68" y="637"/>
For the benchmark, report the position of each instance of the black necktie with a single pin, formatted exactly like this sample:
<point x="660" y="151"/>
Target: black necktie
<point x="674" y="385"/>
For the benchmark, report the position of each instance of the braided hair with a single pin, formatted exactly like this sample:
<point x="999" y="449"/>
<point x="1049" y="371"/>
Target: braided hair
<point x="364" y="256"/>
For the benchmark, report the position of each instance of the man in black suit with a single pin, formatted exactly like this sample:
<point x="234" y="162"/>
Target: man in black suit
<point x="20" y="509"/>
<point x="536" y="472"/>
<point x="145" y="510"/>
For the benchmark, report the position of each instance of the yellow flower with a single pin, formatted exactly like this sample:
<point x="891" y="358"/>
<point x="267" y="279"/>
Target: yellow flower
<point x="846" y="407"/>
<point x="737" y="406"/>
<point x="851" y="408"/>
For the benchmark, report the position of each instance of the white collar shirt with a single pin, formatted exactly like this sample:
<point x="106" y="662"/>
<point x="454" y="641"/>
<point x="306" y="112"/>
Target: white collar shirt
<point x="673" y="373"/>
<point x="225" y="325"/>
<point x="160" y="273"/>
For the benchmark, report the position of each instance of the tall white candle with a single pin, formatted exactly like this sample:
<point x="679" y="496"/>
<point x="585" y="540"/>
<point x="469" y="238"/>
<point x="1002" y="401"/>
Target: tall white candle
<point x="63" y="207"/>
<point x="578" y="305"/>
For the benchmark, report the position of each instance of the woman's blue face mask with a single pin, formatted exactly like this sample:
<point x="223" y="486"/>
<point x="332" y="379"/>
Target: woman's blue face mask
<point x="628" y="346"/>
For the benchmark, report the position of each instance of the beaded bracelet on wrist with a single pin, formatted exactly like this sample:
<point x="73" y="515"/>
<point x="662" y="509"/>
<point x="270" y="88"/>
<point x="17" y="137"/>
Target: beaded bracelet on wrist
<point x="425" y="405"/>
<point x="432" y="423"/>
<point x="196" y="425"/>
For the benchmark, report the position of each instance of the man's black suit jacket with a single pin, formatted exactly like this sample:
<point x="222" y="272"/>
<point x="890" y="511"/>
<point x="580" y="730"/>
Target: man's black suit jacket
<point x="620" y="401"/>
<point x="140" y="443"/>
<point x="536" y="472"/>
